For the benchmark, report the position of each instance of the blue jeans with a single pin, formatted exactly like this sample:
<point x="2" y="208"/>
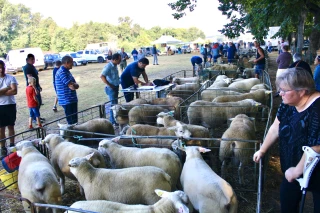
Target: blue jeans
<point x="259" y="68"/>
<point x="135" y="58"/>
<point x="71" y="112"/>
<point x="113" y="98"/>
<point x="155" y="59"/>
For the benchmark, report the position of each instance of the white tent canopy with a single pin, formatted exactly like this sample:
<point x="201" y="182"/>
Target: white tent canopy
<point x="166" y="40"/>
<point x="199" y="41"/>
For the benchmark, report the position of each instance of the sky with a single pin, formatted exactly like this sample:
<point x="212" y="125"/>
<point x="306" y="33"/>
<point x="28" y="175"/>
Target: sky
<point x="146" y="13"/>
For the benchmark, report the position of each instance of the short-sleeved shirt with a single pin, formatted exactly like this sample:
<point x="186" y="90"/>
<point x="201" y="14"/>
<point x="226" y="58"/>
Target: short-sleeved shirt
<point x="65" y="94"/>
<point x="284" y="60"/>
<point x="297" y="129"/>
<point x="29" y="69"/>
<point x="196" y="60"/>
<point x="110" y="71"/>
<point x="141" y="55"/>
<point x="6" y="81"/>
<point x="132" y="70"/>
<point x="316" y="77"/>
<point x="31" y="93"/>
<point x="53" y="76"/>
<point x="124" y="55"/>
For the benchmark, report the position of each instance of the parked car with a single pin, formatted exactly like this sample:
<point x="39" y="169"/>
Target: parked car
<point x="147" y="51"/>
<point x="77" y="58"/>
<point x="11" y="71"/>
<point x="50" y="60"/>
<point x="92" y="55"/>
<point x="185" y="49"/>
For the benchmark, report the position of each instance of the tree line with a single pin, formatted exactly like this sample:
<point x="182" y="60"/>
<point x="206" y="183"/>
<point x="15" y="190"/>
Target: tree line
<point x="20" y="28"/>
<point x="298" y="19"/>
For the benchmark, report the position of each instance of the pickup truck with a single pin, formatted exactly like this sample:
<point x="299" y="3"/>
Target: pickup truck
<point x="92" y="56"/>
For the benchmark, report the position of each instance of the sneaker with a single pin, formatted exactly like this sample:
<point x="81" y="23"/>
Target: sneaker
<point x="3" y="153"/>
<point x="40" y="125"/>
<point x="30" y="127"/>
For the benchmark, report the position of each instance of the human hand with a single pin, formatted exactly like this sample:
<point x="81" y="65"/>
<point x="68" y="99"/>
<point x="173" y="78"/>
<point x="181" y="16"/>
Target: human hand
<point x="258" y="155"/>
<point x="76" y="86"/>
<point x="291" y="174"/>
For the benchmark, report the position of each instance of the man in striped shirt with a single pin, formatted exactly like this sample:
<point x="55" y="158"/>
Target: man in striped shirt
<point x="66" y="87"/>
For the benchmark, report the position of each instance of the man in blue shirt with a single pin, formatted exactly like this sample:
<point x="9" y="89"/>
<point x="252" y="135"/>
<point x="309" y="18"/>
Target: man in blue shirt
<point x="110" y="76"/>
<point x="316" y="76"/>
<point x="155" y="55"/>
<point x="66" y="87"/>
<point x="124" y="57"/>
<point x="130" y="76"/>
<point x="134" y="54"/>
<point x="196" y="60"/>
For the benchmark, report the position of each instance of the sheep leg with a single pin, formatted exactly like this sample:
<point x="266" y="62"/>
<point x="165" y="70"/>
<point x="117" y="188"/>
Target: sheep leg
<point x="240" y="174"/>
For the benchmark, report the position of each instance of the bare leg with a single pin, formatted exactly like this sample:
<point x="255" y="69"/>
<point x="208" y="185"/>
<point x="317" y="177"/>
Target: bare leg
<point x="38" y="121"/>
<point x="11" y="133"/>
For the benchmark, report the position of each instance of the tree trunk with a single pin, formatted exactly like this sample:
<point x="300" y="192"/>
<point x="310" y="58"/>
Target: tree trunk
<point x="315" y="34"/>
<point x="300" y="30"/>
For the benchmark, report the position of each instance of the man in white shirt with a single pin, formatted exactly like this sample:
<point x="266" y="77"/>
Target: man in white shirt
<point x="8" y="112"/>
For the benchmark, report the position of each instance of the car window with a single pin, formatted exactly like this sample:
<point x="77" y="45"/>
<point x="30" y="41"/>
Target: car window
<point x="87" y="52"/>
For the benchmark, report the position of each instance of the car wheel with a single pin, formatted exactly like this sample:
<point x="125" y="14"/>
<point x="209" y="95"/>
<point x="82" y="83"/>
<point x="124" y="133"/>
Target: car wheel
<point x="100" y="60"/>
<point x="84" y="64"/>
<point x="74" y="63"/>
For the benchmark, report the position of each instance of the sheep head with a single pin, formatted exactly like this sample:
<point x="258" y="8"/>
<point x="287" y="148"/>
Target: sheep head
<point x="64" y="127"/>
<point x="105" y="144"/>
<point x="178" y="198"/>
<point x="161" y="115"/>
<point x="19" y="147"/>
<point x="52" y="140"/>
<point x="182" y="131"/>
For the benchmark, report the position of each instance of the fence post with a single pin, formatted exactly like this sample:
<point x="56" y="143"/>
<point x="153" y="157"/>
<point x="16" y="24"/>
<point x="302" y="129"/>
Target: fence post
<point x="102" y="111"/>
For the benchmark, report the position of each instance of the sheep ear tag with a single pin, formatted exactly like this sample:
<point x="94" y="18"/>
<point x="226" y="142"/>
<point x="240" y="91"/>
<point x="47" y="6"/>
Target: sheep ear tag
<point x="88" y="157"/>
<point x="204" y="150"/>
<point x="161" y="193"/>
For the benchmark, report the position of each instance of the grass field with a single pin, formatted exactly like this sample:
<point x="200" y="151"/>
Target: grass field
<point x="91" y="91"/>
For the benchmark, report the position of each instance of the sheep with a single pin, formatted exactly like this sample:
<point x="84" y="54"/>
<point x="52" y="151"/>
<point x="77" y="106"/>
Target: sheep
<point x="37" y="179"/>
<point x="146" y="114"/>
<point x="63" y="151"/>
<point x="210" y="93"/>
<point x="124" y="157"/>
<point x="259" y="86"/>
<point x="134" y="185"/>
<point x="241" y="127"/>
<point x="169" y="103"/>
<point x="260" y="95"/>
<point x="207" y="195"/>
<point x="224" y="67"/>
<point x="184" y="94"/>
<point x="98" y="125"/>
<point x="120" y="112"/>
<point x="181" y="81"/>
<point x="249" y="72"/>
<point x="180" y="130"/>
<point x="170" y="202"/>
<point x="212" y="115"/>
<point x="246" y="84"/>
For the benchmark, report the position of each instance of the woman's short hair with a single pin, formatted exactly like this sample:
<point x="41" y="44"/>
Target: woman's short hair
<point x="285" y="47"/>
<point x="297" y="78"/>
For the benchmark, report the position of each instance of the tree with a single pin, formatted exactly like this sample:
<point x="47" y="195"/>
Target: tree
<point x="258" y="16"/>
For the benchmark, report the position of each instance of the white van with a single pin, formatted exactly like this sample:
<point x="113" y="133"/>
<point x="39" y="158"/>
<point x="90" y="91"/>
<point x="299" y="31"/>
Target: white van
<point x="16" y="59"/>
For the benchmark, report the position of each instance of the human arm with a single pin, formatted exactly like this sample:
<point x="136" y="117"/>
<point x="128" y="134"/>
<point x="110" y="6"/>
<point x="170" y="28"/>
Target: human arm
<point x="3" y="91"/>
<point x="104" y="79"/>
<point x="271" y="138"/>
<point x="73" y="85"/>
<point x="261" y="53"/>
<point x="294" y="172"/>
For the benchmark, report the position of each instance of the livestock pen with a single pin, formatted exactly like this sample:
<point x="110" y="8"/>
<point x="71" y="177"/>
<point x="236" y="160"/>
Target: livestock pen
<point x="246" y="192"/>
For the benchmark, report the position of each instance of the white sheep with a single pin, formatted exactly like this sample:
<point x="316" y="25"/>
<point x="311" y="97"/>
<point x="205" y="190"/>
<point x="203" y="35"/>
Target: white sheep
<point x="120" y="112"/>
<point x="212" y="115"/>
<point x="241" y="128"/>
<point x="184" y="94"/>
<point x="259" y="86"/>
<point x="144" y="114"/>
<point x="260" y="95"/>
<point x="124" y="157"/>
<point x="63" y="151"/>
<point x="188" y="87"/>
<point x="97" y="125"/>
<point x="181" y="81"/>
<point x="169" y="103"/>
<point x="37" y="179"/>
<point x="170" y="202"/>
<point x="134" y="185"/>
<point x="180" y="130"/>
<point x="206" y="190"/>
<point x="211" y="93"/>
<point x="245" y="84"/>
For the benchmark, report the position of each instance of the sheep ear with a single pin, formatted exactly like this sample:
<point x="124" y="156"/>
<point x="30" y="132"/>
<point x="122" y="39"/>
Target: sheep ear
<point x="204" y="150"/>
<point x="88" y="157"/>
<point x="161" y="193"/>
<point x="116" y="139"/>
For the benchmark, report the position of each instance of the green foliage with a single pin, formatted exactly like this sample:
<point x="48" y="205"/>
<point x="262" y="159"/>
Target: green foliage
<point x="20" y="28"/>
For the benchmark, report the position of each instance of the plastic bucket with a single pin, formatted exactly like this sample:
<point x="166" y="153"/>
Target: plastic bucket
<point x="9" y="178"/>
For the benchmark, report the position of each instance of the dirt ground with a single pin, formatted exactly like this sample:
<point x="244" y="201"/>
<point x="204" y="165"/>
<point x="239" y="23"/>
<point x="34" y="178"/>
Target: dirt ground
<point x="91" y="92"/>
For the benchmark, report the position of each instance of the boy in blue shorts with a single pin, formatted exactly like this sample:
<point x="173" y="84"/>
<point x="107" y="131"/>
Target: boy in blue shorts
<point x="32" y="101"/>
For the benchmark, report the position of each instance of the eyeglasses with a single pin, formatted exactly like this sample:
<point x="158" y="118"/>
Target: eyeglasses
<point x="284" y="91"/>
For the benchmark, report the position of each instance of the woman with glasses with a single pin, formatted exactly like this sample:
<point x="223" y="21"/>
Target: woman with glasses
<point x="297" y="124"/>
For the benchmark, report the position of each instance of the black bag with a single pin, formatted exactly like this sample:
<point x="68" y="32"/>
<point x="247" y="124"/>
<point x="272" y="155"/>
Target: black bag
<point x="160" y="82"/>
